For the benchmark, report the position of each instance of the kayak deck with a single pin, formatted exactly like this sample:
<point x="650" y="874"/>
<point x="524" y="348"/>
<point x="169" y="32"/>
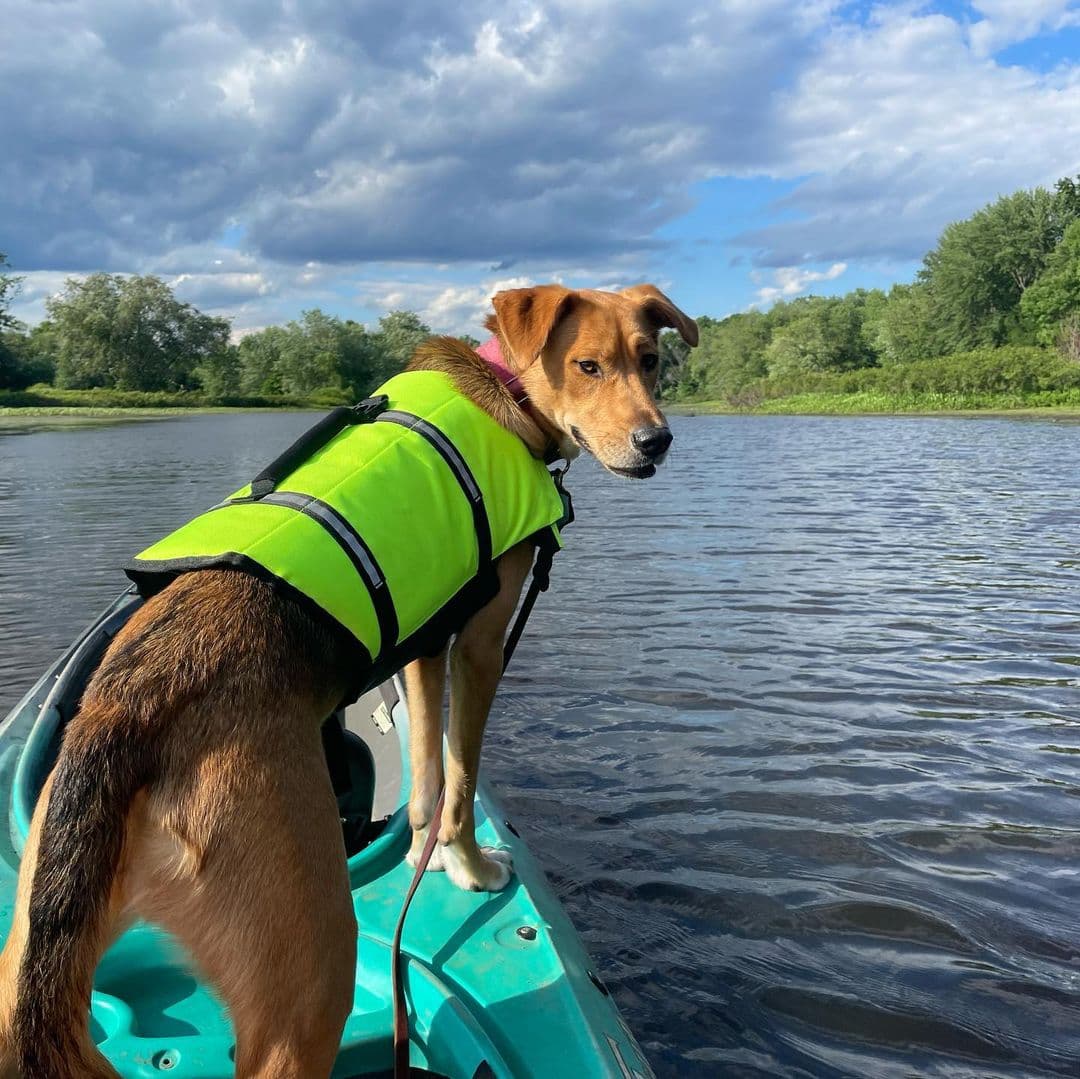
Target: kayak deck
<point x="497" y="980"/>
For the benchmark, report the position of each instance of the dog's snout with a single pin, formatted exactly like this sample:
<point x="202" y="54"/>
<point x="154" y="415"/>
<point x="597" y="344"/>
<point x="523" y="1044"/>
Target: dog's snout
<point x="652" y="441"/>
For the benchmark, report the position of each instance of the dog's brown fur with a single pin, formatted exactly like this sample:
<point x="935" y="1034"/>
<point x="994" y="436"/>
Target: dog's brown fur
<point x="191" y="788"/>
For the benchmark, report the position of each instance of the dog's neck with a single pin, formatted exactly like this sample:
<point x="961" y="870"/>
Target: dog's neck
<point x="481" y="381"/>
<point x="491" y="353"/>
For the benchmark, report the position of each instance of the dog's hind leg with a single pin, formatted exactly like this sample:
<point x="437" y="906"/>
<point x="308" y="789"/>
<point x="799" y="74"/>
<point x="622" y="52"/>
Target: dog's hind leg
<point x="425" y="686"/>
<point x="251" y="878"/>
<point x="80" y="1058"/>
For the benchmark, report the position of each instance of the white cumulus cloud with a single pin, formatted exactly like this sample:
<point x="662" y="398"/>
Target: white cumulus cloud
<point x="1006" y="22"/>
<point x="787" y="282"/>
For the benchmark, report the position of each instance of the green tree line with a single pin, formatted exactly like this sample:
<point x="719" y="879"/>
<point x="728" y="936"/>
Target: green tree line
<point x="1005" y="279"/>
<point x="130" y="334"/>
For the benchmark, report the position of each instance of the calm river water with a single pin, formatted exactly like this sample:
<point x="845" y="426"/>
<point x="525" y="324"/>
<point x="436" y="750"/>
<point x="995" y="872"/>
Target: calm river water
<point x="795" y="732"/>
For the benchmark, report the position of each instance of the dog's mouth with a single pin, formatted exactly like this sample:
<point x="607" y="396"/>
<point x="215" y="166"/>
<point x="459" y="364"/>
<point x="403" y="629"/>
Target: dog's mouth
<point x="634" y="472"/>
<point x="580" y="439"/>
<point x="641" y="473"/>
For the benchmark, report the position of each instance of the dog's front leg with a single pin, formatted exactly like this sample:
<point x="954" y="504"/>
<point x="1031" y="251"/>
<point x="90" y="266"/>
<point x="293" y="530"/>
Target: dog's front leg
<point x="425" y="686"/>
<point x="476" y="662"/>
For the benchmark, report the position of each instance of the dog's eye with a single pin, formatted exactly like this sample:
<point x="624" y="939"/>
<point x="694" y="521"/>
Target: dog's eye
<point x="590" y="367"/>
<point x="649" y="362"/>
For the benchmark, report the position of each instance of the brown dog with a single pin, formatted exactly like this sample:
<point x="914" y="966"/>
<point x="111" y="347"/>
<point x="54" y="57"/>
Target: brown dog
<point x="191" y="788"/>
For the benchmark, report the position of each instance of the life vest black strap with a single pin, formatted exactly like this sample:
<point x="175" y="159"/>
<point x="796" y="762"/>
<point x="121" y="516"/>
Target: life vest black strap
<point x="313" y="440"/>
<point x="358" y="552"/>
<point x="462" y="473"/>
<point x="541" y="578"/>
<point x="558" y="475"/>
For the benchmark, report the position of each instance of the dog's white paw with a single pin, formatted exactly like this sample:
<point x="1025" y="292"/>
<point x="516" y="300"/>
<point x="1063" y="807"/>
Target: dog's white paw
<point x="435" y="864"/>
<point x="491" y="873"/>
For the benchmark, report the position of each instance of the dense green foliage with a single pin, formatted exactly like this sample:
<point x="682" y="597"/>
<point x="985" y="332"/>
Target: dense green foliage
<point x="866" y="401"/>
<point x="115" y="338"/>
<point x="320" y="354"/>
<point x="1007" y="276"/>
<point x="1051" y="306"/>
<point x="1012" y="369"/>
<point x="1014" y="376"/>
<point x="129" y="333"/>
<point x="25" y="358"/>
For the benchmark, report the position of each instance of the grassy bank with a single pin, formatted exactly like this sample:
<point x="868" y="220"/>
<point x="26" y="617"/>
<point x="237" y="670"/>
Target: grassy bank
<point x="989" y="380"/>
<point x="26" y="419"/>
<point x="49" y="400"/>
<point x="866" y="404"/>
<point x="13" y="416"/>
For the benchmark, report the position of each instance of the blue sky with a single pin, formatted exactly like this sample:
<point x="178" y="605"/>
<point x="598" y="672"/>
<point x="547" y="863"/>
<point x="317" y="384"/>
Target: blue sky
<point x="265" y="156"/>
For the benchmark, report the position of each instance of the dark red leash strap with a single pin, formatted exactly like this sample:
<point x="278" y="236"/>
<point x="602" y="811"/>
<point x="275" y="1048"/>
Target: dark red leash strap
<point x="539" y="584"/>
<point x="401" y="1008"/>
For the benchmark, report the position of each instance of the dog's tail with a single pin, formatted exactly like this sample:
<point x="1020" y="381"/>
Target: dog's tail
<point x="104" y="760"/>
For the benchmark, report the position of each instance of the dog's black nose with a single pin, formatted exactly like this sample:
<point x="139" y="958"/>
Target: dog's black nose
<point x="652" y="441"/>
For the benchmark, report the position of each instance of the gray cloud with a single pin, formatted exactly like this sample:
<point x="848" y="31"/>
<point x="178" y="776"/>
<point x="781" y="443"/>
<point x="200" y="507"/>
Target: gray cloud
<point x="531" y="138"/>
<point x="415" y="132"/>
<point x="901" y="127"/>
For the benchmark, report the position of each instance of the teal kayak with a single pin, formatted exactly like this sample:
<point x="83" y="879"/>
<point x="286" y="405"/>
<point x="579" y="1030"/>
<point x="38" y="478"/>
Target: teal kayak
<point x="497" y="984"/>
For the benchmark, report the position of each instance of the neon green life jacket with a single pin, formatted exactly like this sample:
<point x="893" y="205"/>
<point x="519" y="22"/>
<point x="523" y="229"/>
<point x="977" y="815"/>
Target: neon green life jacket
<point x="389" y="519"/>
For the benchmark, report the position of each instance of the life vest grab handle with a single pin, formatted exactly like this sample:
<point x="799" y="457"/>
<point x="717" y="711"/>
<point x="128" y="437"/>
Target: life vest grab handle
<point x="313" y="440"/>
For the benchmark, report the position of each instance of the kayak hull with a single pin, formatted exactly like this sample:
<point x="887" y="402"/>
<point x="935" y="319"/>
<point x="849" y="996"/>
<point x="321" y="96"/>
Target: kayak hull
<point x="498" y="979"/>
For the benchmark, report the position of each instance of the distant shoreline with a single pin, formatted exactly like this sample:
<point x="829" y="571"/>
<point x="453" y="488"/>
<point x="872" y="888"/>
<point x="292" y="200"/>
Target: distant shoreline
<point x="842" y="404"/>
<point x="19" y="417"/>
<point x="44" y="400"/>
<point x="99" y="412"/>
<point x="24" y="420"/>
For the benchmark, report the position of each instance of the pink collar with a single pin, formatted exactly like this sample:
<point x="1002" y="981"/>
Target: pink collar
<point x="491" y="353"/>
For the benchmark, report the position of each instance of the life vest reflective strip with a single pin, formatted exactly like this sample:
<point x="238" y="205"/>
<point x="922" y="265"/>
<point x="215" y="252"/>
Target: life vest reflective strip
<point x="446" y="449"/>
<point x="391" y="527"/>
<point x="356" y="550"/>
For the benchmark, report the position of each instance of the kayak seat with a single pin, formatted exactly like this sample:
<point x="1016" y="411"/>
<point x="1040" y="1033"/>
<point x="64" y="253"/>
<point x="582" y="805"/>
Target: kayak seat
<point x="352" y="773"/>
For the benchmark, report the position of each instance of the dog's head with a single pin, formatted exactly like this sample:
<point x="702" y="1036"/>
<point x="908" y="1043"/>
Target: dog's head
<point x="590" y="362"/>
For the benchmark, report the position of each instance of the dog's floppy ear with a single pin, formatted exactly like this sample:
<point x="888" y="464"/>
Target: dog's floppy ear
<point x="662" y="312"/>
<point x="526" y="317"/>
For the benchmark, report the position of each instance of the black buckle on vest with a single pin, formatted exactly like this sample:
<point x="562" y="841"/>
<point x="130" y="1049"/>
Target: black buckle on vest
<point x="567" y="517"/>
<point x="365" y="411"/>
